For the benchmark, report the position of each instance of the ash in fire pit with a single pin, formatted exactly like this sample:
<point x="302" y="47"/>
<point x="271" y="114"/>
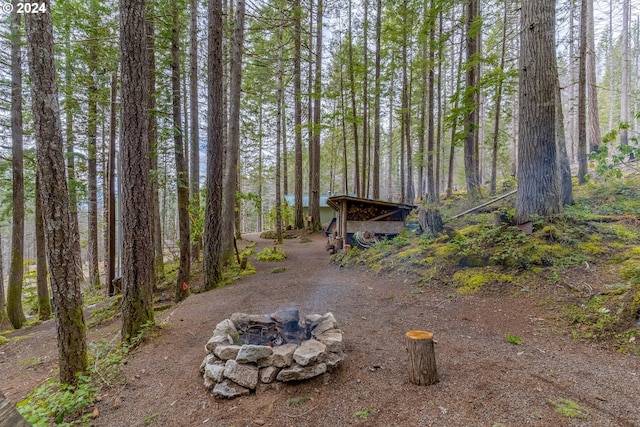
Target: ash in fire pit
<point x="250" y="349"/>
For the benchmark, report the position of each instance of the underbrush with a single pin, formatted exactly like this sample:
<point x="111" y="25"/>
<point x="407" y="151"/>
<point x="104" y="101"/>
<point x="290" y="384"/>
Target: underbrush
<point x="601" y="230"/>
<point x="65" y="405"/>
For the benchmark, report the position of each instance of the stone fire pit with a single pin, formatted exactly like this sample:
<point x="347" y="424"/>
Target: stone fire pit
<point x="248" y="350"/>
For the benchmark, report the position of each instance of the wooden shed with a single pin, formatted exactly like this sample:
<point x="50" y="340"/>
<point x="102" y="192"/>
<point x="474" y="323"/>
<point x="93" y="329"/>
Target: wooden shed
<point x="360" y="222"/>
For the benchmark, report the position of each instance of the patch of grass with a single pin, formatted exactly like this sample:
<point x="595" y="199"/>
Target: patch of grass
<point x="32" y="361"/>
<point x="296" y="401"/>
<point x="470" y="280"/>
<point x="149" y="419"/>
<point x="514" y="339"/>
<point x="277" y="270"/>
<point x="305" y="240"/>
<point x="3" y="340"/>
<point x="271" y="254"/>
<point x="364" y="414"/>
<point x="105" y="312"/>
<point x="569" y="408"/>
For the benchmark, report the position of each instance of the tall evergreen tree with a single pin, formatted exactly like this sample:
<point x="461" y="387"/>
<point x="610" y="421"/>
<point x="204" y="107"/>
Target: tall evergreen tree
<point x="137" y="250"/>
<point x="14" y="291"/>
<point x="538" y="181"/>
<point x="63" y="246"/>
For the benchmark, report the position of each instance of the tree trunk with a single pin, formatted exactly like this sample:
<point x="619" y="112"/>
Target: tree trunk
<point x="314" y="166"/>
<point x="63" y="244"/>
<point x="156" y="227"/>
<point x="16" y="276"/>
<point x="212" y="242"/>
<point x="431" y="178"/>
<point x="538" y="183"/>
<point x="592" y="88"/>
<point x="182" y="183"/>
<point x="365" y="103"/>
<point x="194" y="159"/>
<point x="354" y="122"/>
<point x="471" y="158"/>
<point x="3" y="299"/>
<point x="137" y="250"/>
<point x="454" y="125"/>
<point x="582" y="97"/>
<point x="111" y="203"/>
<point x="260" y="166"/>
<point x="390" y="139"/>
<point x="92" y="168"/>
<point x="496" y="127"/>
<point x="422" y="358"/>
<point x="44" y="299"/>
<point x="297" y="93"/>
<point x="279" y="108"/>
<point x="566" y="186"/>
<point x="376" y="119"/>
<point x="233" y="146"/>
<point x="624" y="85"/>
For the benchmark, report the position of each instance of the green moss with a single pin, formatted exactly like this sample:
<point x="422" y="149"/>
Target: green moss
<point x="621" y="231"/>
<point x="550" y="232"/>
<point x="593" y="246"/>
<point x="271" y="254"/>
<point x="408" y="253"/>
<point x="3" y="340"/>
<point x="630" y="270"/>
<point x="444" y="251"/>
<point x="469" y="281"/>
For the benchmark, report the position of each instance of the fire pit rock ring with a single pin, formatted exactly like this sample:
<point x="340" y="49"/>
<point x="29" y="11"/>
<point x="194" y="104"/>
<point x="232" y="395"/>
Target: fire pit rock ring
<point x="247" y="350"/>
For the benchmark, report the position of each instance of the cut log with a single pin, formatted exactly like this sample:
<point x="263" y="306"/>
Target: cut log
<point x="422" y="358"/>
<point x="9" y="416"/>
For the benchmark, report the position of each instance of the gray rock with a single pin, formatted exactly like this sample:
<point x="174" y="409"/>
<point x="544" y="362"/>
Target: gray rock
<point x="242" y="319"/>
<point x="311" y="319"/>
<point x="226" y="352"/>
<point x="268" y="374"/>
<point x="333" y="360"/>
<point x="325" y="323"/>
<point x="217" y="340"/>
<point x="224" y="328"/>
<point x="283" y="355"/>
<point x="242" y="374"/>
<point x="208" y="382"/>
<point x="297" y="372"/>
<point x="215" y="371"/>
<point x="309" y="352"/>
<point x="252" y="353"/>
<point x="332" y="339"/>
<point x="229" y="390"/>
<point x="209" y="358"/>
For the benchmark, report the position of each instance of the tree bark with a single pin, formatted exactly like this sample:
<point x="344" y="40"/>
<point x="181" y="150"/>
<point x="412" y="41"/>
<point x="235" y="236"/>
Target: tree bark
<point x="624" y="85"/>
<point x="354" y="120"/>
<point x="16" y="276"/>
<point x="211" y="257"/>
<point x="137" y="250"/>
<point x="314" y="166"/>
<point x="194" y="159"/>
<point x="63" y="248"/>
<point x="233" y="146"/>
<point x="566" y="185"/>
<point x="3" y="298"/>
<point x="279" y="107"/>
<point x="538" y="183"/>
<point x="44" y="299"/>
<point x="182" y="183"/>
<point x="376" y="119"/>
<point x="365" y="103"/>
<point x="431" y="178"/>
<point x="111" y="203"/>
<point x="422" y="358"/>
<point x="92" y="166"/>
<point x="582" y="97"/>
<point x="156" y="227"/>
<point x="471" y="158"/>
<point x="592" y="88"/>
<point x="496" y="127"/>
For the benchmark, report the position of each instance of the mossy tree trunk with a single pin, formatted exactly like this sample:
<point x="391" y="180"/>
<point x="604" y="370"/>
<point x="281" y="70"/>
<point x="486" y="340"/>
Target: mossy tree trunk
<point x="16" y="276"/>
<point x="62" y="242"/>
<point x="3" y="299"/>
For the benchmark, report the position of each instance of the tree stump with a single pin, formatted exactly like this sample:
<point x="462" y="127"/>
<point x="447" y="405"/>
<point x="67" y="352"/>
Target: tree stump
<point x="9" y="415"/>
<point x="422" y="358"/>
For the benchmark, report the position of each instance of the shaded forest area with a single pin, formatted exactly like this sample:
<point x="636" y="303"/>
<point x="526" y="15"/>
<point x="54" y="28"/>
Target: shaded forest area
<point x="147" y="136"/>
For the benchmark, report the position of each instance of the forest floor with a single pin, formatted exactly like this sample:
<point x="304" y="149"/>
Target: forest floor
<point x="484" y="379"/>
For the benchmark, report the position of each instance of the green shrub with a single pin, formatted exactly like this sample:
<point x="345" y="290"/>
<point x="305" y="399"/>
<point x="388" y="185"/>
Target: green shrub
<point x="271" y="254"/>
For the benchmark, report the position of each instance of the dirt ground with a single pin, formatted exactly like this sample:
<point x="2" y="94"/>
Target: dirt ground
<point x="484" y="380"/>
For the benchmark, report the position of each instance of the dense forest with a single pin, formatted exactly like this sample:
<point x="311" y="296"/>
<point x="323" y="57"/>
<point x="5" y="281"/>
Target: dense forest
<point x="143" y="131"/>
